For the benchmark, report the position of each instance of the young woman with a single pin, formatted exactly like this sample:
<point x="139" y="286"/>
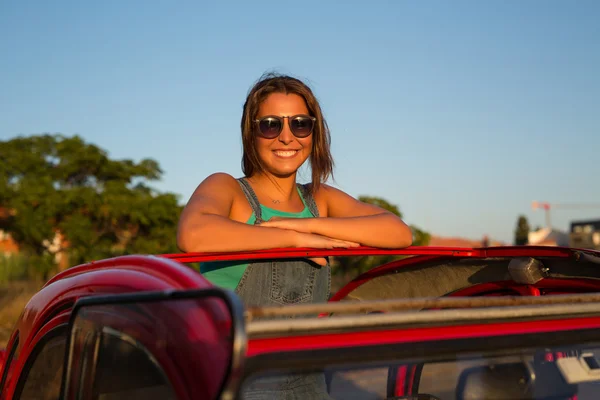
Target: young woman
<point x="282" y="127"/>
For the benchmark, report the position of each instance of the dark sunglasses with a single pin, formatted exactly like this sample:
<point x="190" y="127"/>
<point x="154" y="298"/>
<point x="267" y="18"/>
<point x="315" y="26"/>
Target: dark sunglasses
<point x="270" y="126"/>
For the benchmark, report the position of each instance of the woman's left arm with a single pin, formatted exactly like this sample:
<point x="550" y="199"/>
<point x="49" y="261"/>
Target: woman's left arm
<point x="352" y="220"/>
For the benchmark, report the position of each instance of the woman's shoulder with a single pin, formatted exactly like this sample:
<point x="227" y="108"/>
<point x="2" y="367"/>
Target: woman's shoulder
<point x="218" y="185"/>
<point x="220" y="179"/>
<point x="223" y="188"/>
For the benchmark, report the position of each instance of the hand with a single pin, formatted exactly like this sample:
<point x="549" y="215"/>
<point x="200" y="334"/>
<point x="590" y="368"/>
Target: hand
<point x="321" y="261"/>
<point x="321" y="242"/>
<point x="306" y="238"/>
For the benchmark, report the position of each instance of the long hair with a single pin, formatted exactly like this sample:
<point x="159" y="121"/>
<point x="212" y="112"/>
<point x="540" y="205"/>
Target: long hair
<point x="321" y="161"/>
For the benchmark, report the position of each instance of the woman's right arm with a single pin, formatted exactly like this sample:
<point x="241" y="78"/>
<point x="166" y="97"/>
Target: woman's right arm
<point x="205" y="226"/>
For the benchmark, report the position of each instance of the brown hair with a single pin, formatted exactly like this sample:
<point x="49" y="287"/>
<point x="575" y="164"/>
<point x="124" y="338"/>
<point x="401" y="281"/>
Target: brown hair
<point x="321" y="161"/>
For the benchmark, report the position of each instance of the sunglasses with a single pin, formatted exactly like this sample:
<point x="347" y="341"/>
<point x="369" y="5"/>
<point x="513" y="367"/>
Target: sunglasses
<point x="270" y="126"/>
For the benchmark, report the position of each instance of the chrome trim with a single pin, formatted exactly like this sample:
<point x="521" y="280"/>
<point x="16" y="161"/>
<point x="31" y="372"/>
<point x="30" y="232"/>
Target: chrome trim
<point x="90" y="345"/>
<point x="363" y="307"/>
<point x="69" y="364"/>
<point x="240" y="340"/>
<point x="298" y="326"/>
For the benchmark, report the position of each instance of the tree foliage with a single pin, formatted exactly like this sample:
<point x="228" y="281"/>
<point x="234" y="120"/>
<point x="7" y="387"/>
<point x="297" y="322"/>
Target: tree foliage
<point x="358" y="265"/>
<point x="52" y="184"/>
<point x="420" y="237"/>
<point x="522" y="231"/>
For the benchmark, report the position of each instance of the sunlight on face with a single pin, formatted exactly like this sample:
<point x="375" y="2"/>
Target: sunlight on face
<point x="283" y="155"/>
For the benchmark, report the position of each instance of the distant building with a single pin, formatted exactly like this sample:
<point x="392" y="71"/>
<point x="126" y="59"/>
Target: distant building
<point x="441" y="241"/>
<point x="585" y="234"/>
<point x="548" y="237"/>
<point x="7" y="244"/>
<point x="57" y="246"/>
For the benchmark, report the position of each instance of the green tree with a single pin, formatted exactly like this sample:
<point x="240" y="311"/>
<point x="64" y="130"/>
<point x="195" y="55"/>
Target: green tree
<point x="352" y="266"/>
<point x="420" y="237"/>
<point x="52" y="184"/>
<point x="522" y="231"/>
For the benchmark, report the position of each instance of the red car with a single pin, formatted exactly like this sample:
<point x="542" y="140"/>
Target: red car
<point x="440" y="323"/>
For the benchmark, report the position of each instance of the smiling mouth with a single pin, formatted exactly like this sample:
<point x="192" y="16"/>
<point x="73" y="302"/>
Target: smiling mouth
<point x="286" y="153"/>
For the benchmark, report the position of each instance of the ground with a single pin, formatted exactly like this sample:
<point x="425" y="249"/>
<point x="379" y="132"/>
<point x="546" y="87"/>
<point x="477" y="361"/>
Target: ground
<point x="13" y="297"/>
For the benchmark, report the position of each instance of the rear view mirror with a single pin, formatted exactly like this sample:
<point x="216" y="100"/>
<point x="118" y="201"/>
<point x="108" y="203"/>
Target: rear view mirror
<point x="154" y="345"/>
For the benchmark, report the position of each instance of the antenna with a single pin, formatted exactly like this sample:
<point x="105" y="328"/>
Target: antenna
<point x="546" y="206"/>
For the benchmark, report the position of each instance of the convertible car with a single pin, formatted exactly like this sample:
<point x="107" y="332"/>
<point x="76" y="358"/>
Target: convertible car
<point x="436" y="323"/>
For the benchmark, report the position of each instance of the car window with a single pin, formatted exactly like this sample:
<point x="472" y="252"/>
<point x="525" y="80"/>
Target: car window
<point x="536" y="372"/>
<point x="42" y="377"/>
<point x="127" y="371"/>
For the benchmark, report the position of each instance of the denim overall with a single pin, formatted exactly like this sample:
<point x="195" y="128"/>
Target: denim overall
<point x="275" y="283"/>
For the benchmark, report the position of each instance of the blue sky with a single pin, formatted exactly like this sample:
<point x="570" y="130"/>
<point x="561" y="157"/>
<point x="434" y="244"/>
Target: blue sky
<point x="460" y="112"/>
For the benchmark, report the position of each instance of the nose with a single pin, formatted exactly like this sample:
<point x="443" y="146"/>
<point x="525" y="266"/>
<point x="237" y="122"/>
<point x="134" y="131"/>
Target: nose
<point x="286" y="136"/>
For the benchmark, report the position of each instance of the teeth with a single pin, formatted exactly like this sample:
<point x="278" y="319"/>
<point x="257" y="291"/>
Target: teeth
<point x="286" y="153"/>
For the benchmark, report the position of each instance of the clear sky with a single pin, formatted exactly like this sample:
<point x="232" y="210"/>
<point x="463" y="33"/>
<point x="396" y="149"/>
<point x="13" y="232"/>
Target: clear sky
<point x="460" y="112"/>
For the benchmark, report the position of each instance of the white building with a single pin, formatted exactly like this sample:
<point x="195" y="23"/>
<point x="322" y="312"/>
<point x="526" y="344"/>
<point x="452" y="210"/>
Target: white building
<point x="548" y="237"/>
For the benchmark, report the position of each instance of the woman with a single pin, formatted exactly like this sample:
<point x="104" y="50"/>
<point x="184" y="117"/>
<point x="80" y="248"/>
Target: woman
<point x="282" y="126"/>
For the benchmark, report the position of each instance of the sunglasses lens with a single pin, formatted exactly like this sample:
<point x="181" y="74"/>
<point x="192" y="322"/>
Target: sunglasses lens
<point x="270" y="127"/>
<point x="301" y="126"/>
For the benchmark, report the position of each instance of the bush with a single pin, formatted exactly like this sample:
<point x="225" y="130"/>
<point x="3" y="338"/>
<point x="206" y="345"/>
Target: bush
<point x="13" y="267"/>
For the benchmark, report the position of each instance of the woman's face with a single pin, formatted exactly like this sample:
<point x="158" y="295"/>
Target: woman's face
<point x="283" y="155"/>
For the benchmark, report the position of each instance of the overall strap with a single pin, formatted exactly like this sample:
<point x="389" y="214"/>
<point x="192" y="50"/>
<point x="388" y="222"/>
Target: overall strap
<point x="252" y="199"/>
<point x="309" y="199"/>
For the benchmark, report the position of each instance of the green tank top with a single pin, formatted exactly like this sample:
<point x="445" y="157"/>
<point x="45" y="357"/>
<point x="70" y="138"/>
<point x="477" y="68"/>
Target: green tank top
<point x="227" y="274"/>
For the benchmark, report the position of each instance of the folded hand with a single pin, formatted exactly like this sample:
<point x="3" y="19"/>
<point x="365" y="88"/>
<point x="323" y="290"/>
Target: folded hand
<point x="306" y="238"/>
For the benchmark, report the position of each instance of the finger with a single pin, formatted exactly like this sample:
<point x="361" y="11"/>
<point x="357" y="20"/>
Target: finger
<point x="270" y="224"/>
<point x="274" y="223"/>
<point x="346" y="243"/>
<point x="319" y="260"/>
<point x="339" y="245"/>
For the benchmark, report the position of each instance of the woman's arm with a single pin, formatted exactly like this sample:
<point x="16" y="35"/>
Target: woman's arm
<point x="205" y="226"/>
<point x="352" y="220"/>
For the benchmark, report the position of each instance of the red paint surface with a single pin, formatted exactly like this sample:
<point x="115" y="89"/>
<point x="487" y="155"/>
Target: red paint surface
<point x="550" y="285"/>
<point x="501" y="251"/>
<point x="308" y="252"/>
<point x="52" y="304"/>
<point x="411" y="379"/>
<point x="128" y="274"/>
<point x="400" y="381"/>
<point x="413" y="335"/>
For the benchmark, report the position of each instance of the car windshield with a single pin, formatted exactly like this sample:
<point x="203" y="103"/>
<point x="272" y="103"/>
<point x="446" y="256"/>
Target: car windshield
<point x="495" y="348"/>
<point x="442" y="272"/>
<point x="533" y="373"/>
